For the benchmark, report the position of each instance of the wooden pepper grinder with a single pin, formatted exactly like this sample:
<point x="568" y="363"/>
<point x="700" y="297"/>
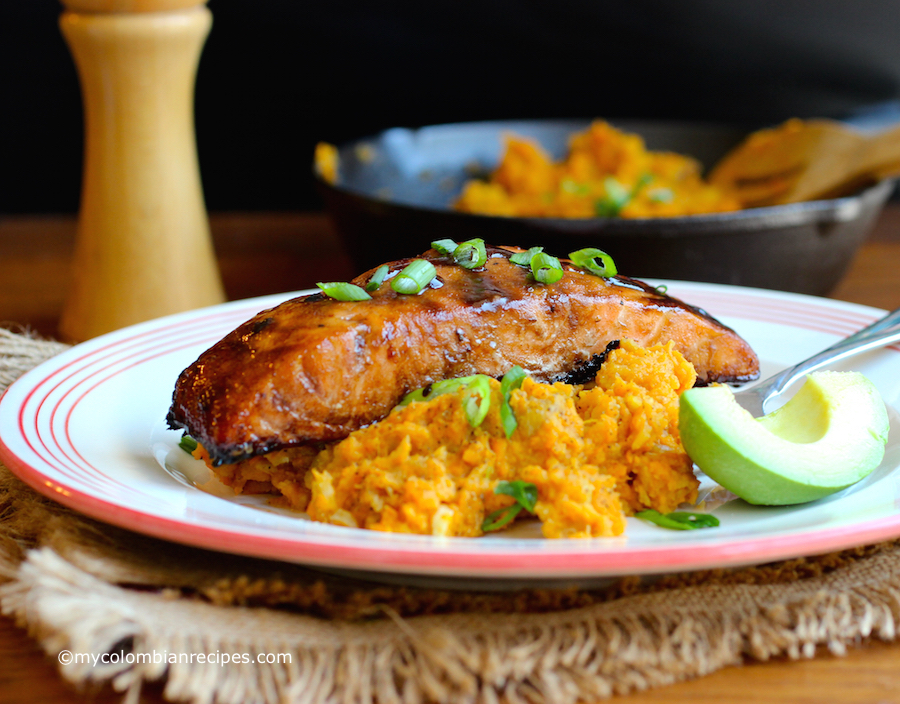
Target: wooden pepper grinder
<point x="143" y="248"/>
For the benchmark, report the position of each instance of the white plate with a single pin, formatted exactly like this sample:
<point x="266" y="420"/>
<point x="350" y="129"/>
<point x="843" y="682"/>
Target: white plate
<point x="87" y="429"/>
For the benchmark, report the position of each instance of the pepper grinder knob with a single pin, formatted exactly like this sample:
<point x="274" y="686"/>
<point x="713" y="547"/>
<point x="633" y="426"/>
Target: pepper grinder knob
<point x="143" y="247"/>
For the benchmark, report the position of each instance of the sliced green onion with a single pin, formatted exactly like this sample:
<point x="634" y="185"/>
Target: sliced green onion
<point x="662" y="289"/>
<point x="476" y="401"/>
<point x="587" y="259"/>
<point x="644" y="180"/>
<point x="500" y="518"/>
<point x="661" y="195"/>
<point x="470" y="254"/>
<point x="697" y="520"/>
<point x="524" y="258"/>
<point x="546" y="269"/>
<point x="444" y="246"/>
<point x="438" y="388"/>
<point x="617" y="196"/>
<point x="187" y="443"/>
<point x="342" y="291"/>
<point x="525" y="493"/>
<point x="526" y="496"/>
<point x="573" y="187"/>
<point x="377" y="278"/>
<point x="606" y="208"/>
<point x="679" y="520"/>
<point x="415" y="277"/>
<point x="511" y="381"/>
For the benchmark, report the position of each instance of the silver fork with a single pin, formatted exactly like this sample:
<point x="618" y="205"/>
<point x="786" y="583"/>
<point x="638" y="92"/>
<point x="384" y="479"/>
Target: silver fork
<point x="882" y="332"/>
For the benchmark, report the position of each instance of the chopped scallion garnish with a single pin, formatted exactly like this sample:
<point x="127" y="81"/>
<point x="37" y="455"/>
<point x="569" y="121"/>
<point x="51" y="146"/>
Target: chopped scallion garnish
<point x="476" y="400"/>
<point x="679" y="520"/>
<point x="511" y="381"/>
<point x="524" y="258"/>
<point x="377" y="278"/>
<point x="587" y="259"/>
<point x="644" y="180"/>
<point x="470" y="254"/>
<point x="500" y="518"/>
<point x="573" y="187"/>
<point x="661" y="195"/>
<point x="188" y="444"/>
<point x="444" y="246"/>
<point x="415" y="277"/>
<point x="342" y="291"/>
<point x="617" y="196"/>
<point x="438" y="388"/>
<point x="546" y="269"/>
<point x="526" y="496"/>
<point x="525" y="493"/>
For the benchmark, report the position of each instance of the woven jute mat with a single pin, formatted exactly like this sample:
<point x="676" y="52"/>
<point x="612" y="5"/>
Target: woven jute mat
<point x="81" y="586"/>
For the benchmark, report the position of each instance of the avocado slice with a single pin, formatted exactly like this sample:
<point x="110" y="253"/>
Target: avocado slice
<point x="830" y="435"/>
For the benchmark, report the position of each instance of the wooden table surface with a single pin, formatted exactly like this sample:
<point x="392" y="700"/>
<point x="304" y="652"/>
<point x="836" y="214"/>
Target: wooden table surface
<point x="265" y="253"/>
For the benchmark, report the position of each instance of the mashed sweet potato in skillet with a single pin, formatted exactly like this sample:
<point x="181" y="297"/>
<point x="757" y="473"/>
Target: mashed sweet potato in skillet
<point x="607" y="173"/>
<point x="595" y="454"/>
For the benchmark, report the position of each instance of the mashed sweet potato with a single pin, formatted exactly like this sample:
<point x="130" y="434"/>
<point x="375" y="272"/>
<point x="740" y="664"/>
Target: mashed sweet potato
<point x="595" y="455"/>
<point x="607" y="173"/>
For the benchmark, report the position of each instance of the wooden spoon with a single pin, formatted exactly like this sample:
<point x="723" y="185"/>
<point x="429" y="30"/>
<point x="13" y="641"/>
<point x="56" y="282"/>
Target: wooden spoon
<point x="806" y="160"/>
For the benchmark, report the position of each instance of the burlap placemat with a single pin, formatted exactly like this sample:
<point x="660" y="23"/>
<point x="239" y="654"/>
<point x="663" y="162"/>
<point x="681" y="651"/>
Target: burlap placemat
<point x="84" y="587"/>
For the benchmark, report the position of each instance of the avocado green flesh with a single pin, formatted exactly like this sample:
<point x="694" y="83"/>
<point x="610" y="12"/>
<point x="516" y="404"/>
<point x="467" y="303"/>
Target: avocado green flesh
<point x="830" y="435"/>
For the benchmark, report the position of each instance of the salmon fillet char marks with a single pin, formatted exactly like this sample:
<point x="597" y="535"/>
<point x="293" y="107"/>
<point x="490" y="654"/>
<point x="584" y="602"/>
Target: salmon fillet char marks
<point x="314" y="369"/>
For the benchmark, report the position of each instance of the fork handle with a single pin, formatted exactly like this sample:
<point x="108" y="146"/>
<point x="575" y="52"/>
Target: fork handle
<point x="880" y="333"/>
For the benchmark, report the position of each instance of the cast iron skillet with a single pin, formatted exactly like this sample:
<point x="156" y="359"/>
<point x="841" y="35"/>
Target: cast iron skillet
<point x="394" y="190"/>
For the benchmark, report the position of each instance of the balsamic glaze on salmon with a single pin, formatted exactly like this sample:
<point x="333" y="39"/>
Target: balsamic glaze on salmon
<point x="314" y="369"/>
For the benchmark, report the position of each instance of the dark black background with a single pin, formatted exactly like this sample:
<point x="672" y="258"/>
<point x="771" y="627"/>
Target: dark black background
<point x="278" y="75"/>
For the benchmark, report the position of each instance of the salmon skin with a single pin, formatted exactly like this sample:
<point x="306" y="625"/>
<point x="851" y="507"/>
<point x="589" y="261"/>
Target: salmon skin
<point x="314" y="369"/>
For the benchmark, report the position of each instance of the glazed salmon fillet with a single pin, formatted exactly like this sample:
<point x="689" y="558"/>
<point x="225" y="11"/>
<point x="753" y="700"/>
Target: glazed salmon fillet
<point x="314" y="369"/>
